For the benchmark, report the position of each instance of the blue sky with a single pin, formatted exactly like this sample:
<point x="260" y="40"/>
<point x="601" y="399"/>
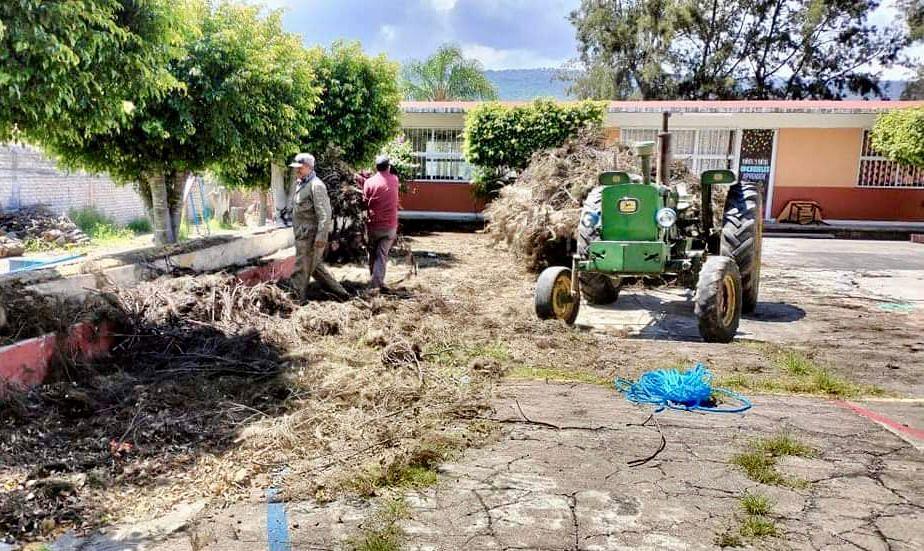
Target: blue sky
<point x="502" y="34"/>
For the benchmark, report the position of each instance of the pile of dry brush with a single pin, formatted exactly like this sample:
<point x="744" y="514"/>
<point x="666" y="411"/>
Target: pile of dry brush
<point x="214" y="388"/>
<point x="537" y="215"/>
<point x="344" y="185"/>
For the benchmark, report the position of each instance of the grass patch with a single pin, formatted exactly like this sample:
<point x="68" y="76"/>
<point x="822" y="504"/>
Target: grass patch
<point x="755" y="526"/>
<point x="140" y="226"/>
<point x="756" y="522"/>
<point x="383" y="532"/>
<point x="459" y="355"/>
<point x="799" y="374"/>
<point x="558" y="375"/>
<point x="756" y="504"/>
<point x="759" y="461"/>
<point x="782" y="445"/>
<point x="795" y="363"/>
<point x="729" y="538"/>
<point x="101" y="229"/>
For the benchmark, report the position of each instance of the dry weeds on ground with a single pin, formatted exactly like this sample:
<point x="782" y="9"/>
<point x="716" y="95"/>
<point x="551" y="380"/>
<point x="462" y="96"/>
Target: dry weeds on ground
<point x="219" y="391"/>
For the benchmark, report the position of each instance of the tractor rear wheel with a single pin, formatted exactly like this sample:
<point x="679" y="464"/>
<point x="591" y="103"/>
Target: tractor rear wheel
<point x="554" y="298"/>
<point x="742" y="231"/>
<point x="718" y="299"/>
<point x="598" y="288"/>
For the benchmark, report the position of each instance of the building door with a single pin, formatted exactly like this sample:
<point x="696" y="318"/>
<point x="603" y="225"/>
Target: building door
<point x="758" y="150"/>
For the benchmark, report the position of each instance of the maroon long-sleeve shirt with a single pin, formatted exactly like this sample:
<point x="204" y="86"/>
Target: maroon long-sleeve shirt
<point x="381" y="193"/>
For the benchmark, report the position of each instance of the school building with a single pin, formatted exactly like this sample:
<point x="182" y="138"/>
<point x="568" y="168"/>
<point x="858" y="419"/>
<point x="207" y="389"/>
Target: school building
<point x="798" y="150"/>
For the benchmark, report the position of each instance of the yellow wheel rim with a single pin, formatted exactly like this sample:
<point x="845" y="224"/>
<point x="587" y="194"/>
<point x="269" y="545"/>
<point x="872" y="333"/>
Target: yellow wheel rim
<point x="562" y="299"/>
<point x="727" y="301"/>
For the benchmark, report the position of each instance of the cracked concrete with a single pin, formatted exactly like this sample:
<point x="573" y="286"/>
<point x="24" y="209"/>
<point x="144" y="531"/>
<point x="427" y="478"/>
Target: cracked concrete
<point x="571" y="488"/>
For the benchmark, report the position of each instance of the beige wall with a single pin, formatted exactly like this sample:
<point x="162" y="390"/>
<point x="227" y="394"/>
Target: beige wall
<point x="818" y="157"/>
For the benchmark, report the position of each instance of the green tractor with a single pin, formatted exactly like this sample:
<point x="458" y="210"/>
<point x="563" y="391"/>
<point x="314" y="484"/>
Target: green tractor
<point x="633" y="228"/>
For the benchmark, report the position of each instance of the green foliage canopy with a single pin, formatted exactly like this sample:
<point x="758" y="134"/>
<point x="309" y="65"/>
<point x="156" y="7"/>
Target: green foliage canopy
<point x="70" y="69"/>
<point x="359" y="105"/>
<point x="247" y="94"/>
<point x="899" y="136"/>
<point x="401" y="153"/>
<point x="504" y="138"/>
<point x="723" y="49"/>
<point x="447" y="75"/>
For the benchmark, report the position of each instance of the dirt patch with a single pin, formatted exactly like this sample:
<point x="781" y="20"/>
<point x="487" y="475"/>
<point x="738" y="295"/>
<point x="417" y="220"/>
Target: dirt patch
<point x="219" y="391"/>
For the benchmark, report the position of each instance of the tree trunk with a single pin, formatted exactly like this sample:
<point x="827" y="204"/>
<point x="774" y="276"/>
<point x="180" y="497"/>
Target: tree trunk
<point x="261" y="209"/>
<point x="175" y="201"/>
<point x="280" y="192"/>
<point x="160" y="210"/>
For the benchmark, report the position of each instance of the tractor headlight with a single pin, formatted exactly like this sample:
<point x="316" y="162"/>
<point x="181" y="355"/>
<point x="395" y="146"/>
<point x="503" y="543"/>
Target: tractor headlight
<point x="666" y="217"/>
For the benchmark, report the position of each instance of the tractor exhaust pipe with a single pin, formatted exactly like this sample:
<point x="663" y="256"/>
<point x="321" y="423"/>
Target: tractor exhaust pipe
<point x="663" y="174"/>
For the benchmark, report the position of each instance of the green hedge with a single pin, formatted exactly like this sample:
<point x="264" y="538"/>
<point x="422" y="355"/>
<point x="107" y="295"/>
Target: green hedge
<point x="500" y="138"/>
<point x="899" y="136"/>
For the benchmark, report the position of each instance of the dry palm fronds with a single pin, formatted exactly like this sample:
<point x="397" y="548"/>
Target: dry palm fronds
<point x="537" y="215"/>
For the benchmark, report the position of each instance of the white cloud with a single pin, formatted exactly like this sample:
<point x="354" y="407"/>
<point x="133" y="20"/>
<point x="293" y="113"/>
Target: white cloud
<point x="512" y="58"/>
<point x="388" y="33"/>
<point x="443" y="5"/>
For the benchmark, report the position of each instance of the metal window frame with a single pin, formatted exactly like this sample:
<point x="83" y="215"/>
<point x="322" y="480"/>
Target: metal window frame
<point x="436" y="134"/>
<point x="918" y="173"/>
<point x="696" y="157"/>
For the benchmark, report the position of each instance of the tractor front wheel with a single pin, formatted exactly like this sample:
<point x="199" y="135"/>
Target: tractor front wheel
<point x="554" y="297"/>
<point x="718" y="299"/>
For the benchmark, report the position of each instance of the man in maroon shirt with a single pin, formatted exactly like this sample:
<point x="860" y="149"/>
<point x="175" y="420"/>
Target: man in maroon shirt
<point x="381" y="193"/>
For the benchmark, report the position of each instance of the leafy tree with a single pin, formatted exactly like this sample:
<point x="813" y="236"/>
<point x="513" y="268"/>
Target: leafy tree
<point x="623" y="47"/>
<point x="69" y="69"/>
<point x="899" y="136"/>
<point x="914" y="15"/>
<point x="500" y="140"/>
<point x="359" y="105"/>
<point x="247" y="95"/>
<point x="759" y="49"/>
<point x="447" y="75"/>
<point x="357" y="111"/>
<point x="401" y="154"/>
<point x="914" y="88"/>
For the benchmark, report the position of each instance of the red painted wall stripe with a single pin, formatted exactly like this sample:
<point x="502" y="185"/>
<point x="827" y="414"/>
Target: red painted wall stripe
<point x="25" y="363"/>
<point x="441" y="197"/>
<point x="911" y="432"/>
<point x="856" y="203"/>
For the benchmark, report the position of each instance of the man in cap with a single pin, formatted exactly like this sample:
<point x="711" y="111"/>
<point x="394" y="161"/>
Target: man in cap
<point x="381" y="194"/>
<point x="312" y="221"/>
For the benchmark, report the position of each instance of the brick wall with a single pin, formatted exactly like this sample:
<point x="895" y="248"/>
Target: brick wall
<point x="27" y="177"/>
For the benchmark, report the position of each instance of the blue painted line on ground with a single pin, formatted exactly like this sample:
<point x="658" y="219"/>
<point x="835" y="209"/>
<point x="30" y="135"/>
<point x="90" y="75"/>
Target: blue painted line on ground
<point x="277" y="524"/>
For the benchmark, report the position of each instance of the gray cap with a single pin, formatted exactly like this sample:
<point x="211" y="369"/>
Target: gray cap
<point x="382" y="159"/>
<point x="303" y="159"/>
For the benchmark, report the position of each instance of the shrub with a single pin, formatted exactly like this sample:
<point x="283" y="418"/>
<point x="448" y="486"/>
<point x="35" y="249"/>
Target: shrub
<point x="899" y="136"/>
<point x="98" y="226"/>
<point x="499" y="137"/>
<point x="140" y="226"/>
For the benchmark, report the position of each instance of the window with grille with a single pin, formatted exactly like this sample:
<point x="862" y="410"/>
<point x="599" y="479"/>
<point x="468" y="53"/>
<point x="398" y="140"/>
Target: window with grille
<point x="700" y="149"/>
<point x="877" y="171"/>
<point x="439" y="154"/>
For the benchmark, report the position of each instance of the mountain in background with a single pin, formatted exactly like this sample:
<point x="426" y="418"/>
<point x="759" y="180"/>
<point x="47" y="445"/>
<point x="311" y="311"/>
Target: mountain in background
<point x="529" y="84"/>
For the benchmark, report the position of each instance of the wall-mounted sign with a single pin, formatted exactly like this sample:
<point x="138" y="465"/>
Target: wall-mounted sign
<point x="756" y="157"/>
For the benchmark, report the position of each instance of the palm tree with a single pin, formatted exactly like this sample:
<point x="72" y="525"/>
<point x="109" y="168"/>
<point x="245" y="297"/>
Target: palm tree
<point x="446" y="76"/>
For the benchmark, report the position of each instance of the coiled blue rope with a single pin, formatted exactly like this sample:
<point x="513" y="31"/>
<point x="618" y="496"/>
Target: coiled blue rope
<point x="688" y="391"/>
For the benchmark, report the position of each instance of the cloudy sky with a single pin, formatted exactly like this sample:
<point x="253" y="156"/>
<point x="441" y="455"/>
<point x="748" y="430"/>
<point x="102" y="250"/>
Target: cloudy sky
<point x="503" y="34"/>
